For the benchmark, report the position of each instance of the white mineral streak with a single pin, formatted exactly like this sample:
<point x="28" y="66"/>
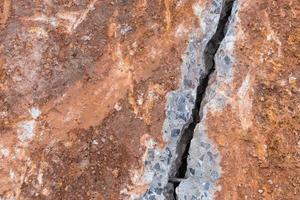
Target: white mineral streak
<point x="26" y="130"/>
<point x="245" y="103"/>
<point x="159" y="164"/>
<point x="203" y="161"/>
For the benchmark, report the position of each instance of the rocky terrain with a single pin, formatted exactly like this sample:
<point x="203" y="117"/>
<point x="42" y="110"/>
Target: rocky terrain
<point x="150" y="100"/>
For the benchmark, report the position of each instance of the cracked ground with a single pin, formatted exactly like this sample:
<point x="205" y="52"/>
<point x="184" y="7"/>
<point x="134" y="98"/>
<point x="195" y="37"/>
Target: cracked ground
<point x="140" y="99"/>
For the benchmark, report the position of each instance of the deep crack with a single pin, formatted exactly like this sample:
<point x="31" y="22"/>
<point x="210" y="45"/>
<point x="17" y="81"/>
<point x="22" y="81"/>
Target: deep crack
<point x="180" y="164"/>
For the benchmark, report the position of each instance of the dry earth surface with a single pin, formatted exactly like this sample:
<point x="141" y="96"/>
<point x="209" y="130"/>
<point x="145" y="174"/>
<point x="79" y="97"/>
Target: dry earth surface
<point x="84" y="85"/>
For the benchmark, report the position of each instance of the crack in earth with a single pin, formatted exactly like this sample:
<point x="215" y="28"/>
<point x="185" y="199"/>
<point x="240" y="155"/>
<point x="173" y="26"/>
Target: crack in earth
<point x="209" y="55"/>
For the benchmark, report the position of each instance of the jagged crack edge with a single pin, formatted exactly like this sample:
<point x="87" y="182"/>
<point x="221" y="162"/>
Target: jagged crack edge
<point x="211" y="48"/>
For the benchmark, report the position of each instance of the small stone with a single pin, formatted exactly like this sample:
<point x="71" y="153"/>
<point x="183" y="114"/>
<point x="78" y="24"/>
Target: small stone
<point x="292" y="80"/>
<point x="181" y="104"/>
<point x="157" y="166"/>
<point x="35" y="112"/>
<point x="125" y="29"/>
<point x="175" y="132"/>
<point x="214" y="175"/>
<point x="151" y="154"/>
<point x="282" y="83"/>
<point x="205" y="145"/>
<point x="152" y="197"/>
<point x="94" y="142"/>
<point x="217" y="10"/>
<point x="115" y="173"/>
<point x="158" y="191"/>
<point x="200" y="161"/>
<point x="227" y="60"/>
<point x="5" y="152"/>
<point x="140" y="100"/>
<point x="194" y="198"/>
<point x="188" y="83"/>
<point x="192" y="171"/>
<point x="134" y="45"/>
<point x="131" y="52"/>
<point x="260" y="191"/>
<point x="86" y="37"/>
<point x="169" y="154"/>
<point x="118" y="107"/>
<point x="206" y="185"/>
<point x="68" y="144"/>
<point x="210" y="155"/>
<point x="180" y="116"/>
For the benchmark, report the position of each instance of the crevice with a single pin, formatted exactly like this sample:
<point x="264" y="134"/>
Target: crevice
<point x="183" y="146"/>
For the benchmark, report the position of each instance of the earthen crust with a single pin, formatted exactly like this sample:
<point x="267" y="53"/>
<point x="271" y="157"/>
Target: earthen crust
<point x="150" y="100"/>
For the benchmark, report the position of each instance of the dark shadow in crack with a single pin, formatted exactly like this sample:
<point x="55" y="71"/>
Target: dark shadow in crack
<point x="182" y="149"/>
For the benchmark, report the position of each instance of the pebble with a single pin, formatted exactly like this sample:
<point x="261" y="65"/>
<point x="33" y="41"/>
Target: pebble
<point x="292" y="80"/>
<point x="260" y="191"/>
<point x="95" y="142"/>
<point x="117" y="107"/>
<point x="214" y="175"/>
<point x="181" y="103"/>
<point x="192" y="171"/>
<point x="205" y="145"/>
<point x="175" y="132"/>
<point x="227" y="60"/>
<point x="206" y="185"/>
<point x="86" y="37"/>
<point x="157" y="166"/>
<point x="140" y="100"/>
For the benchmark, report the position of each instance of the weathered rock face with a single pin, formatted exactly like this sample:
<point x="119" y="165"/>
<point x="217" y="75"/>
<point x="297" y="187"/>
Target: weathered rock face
<point x="257" y="130"/>
<point x="187" y="99"/>
<point x="83" y="92"/>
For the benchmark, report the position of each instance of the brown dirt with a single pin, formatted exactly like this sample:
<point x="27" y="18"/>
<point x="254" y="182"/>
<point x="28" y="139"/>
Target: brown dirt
<point x="101" y="87"/>
<point x="124" y="55"/>
<point x="262" y="162"/>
